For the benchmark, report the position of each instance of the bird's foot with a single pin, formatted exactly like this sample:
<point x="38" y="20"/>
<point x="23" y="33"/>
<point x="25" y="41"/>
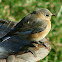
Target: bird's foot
<point x="40" y="43"/>
<point x="30" y="49"/>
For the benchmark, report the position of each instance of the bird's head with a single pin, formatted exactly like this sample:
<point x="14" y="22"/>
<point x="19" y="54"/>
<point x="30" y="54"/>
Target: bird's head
<point x="43" y="13"/>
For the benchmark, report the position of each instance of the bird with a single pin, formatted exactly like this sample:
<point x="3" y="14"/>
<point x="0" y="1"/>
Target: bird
<point x="33" y="27"/>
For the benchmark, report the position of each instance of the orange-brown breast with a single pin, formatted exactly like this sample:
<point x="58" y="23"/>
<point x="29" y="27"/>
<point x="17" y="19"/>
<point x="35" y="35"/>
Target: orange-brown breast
<point x="39" y="36"/>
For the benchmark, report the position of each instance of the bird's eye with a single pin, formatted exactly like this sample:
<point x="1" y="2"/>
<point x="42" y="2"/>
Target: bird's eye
<point x="47" y="15"/>
<point x="34" y="12"/>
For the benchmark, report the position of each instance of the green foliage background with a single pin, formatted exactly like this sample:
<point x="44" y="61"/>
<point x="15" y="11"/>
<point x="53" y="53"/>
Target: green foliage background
<point x="15" y="10"/>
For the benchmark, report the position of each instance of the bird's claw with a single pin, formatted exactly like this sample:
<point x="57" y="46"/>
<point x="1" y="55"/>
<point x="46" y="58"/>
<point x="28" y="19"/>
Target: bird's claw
<point x="30" y="49"/>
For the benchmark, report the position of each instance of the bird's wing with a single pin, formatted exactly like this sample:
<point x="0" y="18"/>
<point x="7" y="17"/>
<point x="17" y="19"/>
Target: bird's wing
<point x="29" y="23"/>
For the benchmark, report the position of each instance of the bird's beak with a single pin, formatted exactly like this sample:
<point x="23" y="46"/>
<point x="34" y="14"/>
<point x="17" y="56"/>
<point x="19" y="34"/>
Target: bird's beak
<point x="53" y="15"/>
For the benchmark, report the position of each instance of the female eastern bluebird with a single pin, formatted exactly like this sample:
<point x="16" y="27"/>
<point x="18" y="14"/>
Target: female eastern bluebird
<point x="33" y="27"/>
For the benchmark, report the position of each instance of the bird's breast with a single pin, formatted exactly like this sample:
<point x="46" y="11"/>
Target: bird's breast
<point x="39" y="36"/>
